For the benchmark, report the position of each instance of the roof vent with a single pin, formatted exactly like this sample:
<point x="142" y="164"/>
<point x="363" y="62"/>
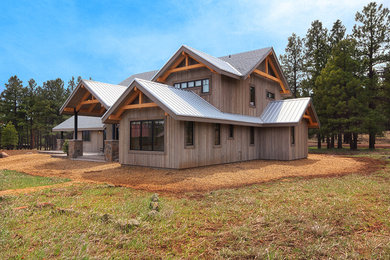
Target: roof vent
<point x="230" y="55"/>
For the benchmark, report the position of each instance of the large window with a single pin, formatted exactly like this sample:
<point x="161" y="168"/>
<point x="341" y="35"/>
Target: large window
<point x="292" y="135"/>
<point x="189" y="133"/>
<point x="217" y="135"/>
<point x="147" y="135"/>
<point x="204" y="84"/>
<point x="252" y="96"/>
<point x="251" y="135"/>
<point x="86" y="136"/>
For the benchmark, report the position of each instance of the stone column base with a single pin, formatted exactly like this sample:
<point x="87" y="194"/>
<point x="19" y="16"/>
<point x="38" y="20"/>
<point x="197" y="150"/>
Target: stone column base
<point x="111" y="150"/>
<point x="60" y="143"/>
<point x="75" y="148"/>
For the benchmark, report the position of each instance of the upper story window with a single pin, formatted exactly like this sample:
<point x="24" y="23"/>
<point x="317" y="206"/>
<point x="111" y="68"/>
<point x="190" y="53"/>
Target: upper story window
<point x="252" y="96"/>
<point x="270" y="95"/>
<point x="86" y="136"/>
<point x="204" y="84"/>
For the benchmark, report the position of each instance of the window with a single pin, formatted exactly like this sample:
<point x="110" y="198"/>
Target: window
<point x="252" y="96"/>
<point x="86" y="136"/>
<point x="217" y="136"/>
<point x="231" y="131"/>
<point x="147" y="135"/>
<point x="204" y="84"/>
<point x="189" y="133"/>
<point x="270" y="95"/>
<point x="292" y="135"/>
<point x="251" y="135"/>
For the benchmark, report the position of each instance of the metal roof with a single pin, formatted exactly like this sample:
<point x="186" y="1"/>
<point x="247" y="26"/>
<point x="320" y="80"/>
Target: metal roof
<point x="107" y="93"/>
<point x="219" y="63"/>
<point x="288" y="111"/>
<point x="83" y="123"/>
<point x="244" y="62"/>
<point x="145" y="75"/>
<point x="183" y="104"/>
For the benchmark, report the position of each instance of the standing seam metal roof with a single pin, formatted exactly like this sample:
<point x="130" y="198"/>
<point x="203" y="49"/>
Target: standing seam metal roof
<point x="285" y="111"/>
<point x="107" y="93"/>
<point x="83" y="123"/>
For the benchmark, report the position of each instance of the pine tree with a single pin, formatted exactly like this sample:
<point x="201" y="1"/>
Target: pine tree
<point x="9" y="136"/>
<point x="372" y="34"/>
<point x="292" y="63"/>
<point x="337" y="33"/>
<point x="341" y="97"/>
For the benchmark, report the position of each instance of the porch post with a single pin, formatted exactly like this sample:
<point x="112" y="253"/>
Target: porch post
<point x="113" y="131"/>
<point x="75" y="124"/>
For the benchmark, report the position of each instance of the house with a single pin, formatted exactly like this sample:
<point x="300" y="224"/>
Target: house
<point x="90" y="131"/>
<point x="199" y="110"/>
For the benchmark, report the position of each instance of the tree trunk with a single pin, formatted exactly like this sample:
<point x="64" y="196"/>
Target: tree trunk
<point x="340" y="141"/>
<point x="371" y="141"/>
<point x="318" y="141"/>
<point x="332" y="141"/>
<point x="327" y="142"/>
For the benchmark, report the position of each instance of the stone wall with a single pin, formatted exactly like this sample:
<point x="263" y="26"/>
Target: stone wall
<point x="75" y="148"/>
<point x="60" y="143"/>
<point x="111" y="150"/>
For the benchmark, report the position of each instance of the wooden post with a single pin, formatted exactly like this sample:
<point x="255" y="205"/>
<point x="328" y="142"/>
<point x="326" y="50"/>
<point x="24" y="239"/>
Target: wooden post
<point x="113" y="132"/>
<point x="75" y="124"/>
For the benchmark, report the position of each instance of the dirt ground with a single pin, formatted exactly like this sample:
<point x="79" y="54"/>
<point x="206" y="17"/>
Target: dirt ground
<point x="189" y="180"/>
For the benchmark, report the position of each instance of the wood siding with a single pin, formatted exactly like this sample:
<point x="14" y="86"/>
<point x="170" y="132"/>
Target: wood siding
<point x="95" y="145"/>
<point x="300" y="149"/>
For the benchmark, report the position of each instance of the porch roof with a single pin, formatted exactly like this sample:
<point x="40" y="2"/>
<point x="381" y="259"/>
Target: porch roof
<point x="83" y="122"/>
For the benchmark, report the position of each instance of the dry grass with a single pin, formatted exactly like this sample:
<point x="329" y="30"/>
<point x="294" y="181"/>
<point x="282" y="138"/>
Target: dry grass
<point x="189" y="180"/>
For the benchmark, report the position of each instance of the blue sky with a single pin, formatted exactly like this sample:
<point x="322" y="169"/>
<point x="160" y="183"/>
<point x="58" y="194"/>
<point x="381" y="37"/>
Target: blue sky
<point x="110" y="40"/>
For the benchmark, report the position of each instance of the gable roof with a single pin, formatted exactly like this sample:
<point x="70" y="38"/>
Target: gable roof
<point x="83" y="123"/>
<point x="106" y="94"/>
<point x="245" y="62"/>
<point x="287" y="111"/>
<point x="183" y="105"/>
<point x="144" y="75"/>
<point x="219" y="65"/>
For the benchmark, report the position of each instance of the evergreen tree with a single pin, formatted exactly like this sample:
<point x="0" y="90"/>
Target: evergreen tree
<point x="341" y="96"/>
<point x="372" y="34"/>
<point x="9" y="136"/>
<point x="292" y="63"/>
<point x="337" y="33"/>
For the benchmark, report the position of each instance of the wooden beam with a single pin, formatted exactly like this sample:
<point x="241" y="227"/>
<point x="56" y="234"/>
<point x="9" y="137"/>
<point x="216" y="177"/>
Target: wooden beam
<point x="128" y="101"/>
<point x="91" y="101"/>
<point x="266" y="65"/>
<point x="144" y="105"/>
<point x="285" y="91"/>
<point x="140" y="98"/>
<point x="68" y="109"/>
<point x="92" y="107"/>
<point x="195" y="66"/>
<point x="82" y="99"/>
<point x="268" y="76"/>
<point x="163" y="77"/>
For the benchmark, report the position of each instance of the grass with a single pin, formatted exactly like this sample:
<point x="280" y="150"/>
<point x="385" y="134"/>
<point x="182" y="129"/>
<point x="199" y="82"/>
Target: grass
<point x="16" y="180"/>
<point x="343" y="217"/>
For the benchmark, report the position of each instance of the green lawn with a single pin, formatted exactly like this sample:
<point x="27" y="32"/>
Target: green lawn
<point x="15" y="180"/>
<point x="342" y="217"/>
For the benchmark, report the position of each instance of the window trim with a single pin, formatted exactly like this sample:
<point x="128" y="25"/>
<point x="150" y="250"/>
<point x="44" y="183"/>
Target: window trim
<point x="178" y="85"/>
<point x="140" y="141"/>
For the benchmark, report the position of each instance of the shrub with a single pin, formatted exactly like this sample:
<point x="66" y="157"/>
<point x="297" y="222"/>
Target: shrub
<point x="9" y="136"/>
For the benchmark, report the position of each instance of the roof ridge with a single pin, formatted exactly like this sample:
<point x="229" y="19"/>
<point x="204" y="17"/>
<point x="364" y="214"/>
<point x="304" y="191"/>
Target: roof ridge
<point x="89" y="80"/>
<point x="239" y="53"/>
